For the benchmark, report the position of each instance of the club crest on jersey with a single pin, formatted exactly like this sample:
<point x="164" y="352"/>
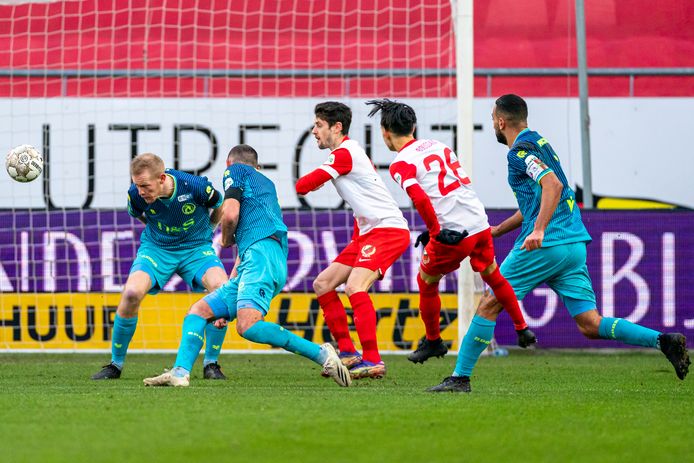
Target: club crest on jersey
<point x="228" y="182"/>
<point x="368" y="250"/>
<point x="185" y="197"/>
<point x="188" y="208"/>
<point x="398" y="179"/>
<point x="331" y="160"/>
<point x="425" y="257"/>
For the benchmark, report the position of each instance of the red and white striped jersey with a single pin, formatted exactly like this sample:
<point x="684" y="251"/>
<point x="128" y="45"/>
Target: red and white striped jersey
<point x="436" y="169"/>
<point x="358" y="183"/>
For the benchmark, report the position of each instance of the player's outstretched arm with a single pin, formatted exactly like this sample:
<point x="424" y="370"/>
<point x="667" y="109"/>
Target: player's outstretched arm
<point x="312" y="181"/>
<point x="339" y="163"/>
<point x="510" y="224"/>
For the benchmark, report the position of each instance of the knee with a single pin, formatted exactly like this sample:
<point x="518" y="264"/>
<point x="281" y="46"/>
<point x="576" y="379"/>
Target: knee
<point x="590" y="328"/>
<point x="216" y="284"/>
<point x="489" y="307"/>
<point x="321" y="286"/>
<point x="243" y="324"/>
<point x="202" y="310"/>
<point x="130" y="302"/>
<point x="425" y="281"/>
<point x="352" y="288"/>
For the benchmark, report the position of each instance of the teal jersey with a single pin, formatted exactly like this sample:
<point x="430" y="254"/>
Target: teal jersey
<point x="181" y="221"/>
<point x="260" y="215"/>
<point x="531" y="157"/>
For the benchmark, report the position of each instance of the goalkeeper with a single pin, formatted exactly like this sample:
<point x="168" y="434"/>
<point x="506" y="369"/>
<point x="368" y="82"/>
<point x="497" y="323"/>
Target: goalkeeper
<point x="456" y="221"/>
<point x="175" y="208"/>
<point x="252" y="219"/>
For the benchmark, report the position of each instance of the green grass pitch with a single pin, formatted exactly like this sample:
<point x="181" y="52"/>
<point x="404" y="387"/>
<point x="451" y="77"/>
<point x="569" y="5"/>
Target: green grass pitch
<point x="528" y="407"/>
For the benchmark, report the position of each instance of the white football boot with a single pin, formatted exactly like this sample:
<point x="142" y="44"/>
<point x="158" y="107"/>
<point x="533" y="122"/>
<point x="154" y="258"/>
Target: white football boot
<point x="168" y="379"/>
<point x="334" y="368"/>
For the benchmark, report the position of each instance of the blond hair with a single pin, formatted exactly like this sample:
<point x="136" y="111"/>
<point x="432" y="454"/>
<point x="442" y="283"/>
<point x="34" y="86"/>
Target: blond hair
<point x="147" y="162"/>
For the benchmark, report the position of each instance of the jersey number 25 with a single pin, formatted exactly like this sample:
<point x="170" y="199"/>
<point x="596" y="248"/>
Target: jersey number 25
<point x="452" y="166"/>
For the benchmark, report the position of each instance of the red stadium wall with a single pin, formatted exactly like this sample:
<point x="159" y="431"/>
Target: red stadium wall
<point x="251" y="35"/>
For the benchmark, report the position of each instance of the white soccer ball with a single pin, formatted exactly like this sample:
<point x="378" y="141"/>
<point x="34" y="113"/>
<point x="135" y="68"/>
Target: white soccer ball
<point x="24" y="163"/>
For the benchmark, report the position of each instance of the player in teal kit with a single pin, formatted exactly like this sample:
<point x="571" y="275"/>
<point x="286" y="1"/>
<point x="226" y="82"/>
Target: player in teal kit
<point x="551" y="249"/>
<point x="252" y="219"/>
<point x="175" y="207"/>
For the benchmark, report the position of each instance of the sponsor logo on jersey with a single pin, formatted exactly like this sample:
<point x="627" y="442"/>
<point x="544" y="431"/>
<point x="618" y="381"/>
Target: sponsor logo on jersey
<point x="208" y="190"/>
<point x="368" y="250"/>
<point x="542" y="142"/>
<point x="188" y="208"/>
<point x="425" y="257"/>
<point x="331" y="160"/>
<point x="521" y="154"/>
<point x="398" y="179"/>
<point x="228" y="182"/>
<point x="185" y="197"/>
<point x="208" y="253"/>
<point x="571" y="203"/>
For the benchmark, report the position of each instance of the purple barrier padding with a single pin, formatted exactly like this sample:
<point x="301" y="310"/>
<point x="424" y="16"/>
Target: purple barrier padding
<point x="640" y="263"/>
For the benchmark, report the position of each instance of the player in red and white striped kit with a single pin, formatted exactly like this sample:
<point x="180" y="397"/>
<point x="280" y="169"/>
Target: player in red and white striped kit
<point x="456" y="221"/>
<point x="380" y="236"/>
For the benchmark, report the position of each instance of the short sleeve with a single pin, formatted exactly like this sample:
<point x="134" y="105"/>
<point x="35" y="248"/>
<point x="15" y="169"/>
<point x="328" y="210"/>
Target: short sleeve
<point x="204" y="192"/>
<point x="528" y="162"/>
<point x="404" y="174"/>
<point x="234" y="181"/>
<point x="338" y="163"/>
<point x="136" y="206"/>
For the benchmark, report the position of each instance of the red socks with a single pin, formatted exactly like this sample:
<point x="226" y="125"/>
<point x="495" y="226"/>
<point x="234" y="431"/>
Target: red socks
<point x="430" y="308"/>
<point x="365" y="322"/>
<point x="336" y="319"/>
<point x="505" y="295"/>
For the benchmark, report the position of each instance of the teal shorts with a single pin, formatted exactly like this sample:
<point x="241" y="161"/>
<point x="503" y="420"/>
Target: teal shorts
<point x="562" y="267"/>
<point x="190" y="264"/>
<point x="262" y="274"/>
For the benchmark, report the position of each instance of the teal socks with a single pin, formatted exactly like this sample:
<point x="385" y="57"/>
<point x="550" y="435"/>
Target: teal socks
<point x="123" y="331"/>
<point x="191" y="341"/>
<point x="478" y="338"/>
<point x="214" y="337"/>
<point x="269" y="333"/>
<point x="627" y="332"/>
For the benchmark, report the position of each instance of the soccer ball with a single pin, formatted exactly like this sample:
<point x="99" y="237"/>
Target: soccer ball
<point x="24" y="163"/>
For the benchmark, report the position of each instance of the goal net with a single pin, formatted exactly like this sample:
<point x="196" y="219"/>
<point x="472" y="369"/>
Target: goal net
<point x="91" y="84"/>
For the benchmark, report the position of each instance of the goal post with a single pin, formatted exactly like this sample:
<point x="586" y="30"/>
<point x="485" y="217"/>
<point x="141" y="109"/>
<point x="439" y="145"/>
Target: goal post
<point x="464" y="56"/>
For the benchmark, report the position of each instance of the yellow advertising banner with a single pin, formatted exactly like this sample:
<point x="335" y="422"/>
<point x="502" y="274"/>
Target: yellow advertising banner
<point x="83" y="321"/>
